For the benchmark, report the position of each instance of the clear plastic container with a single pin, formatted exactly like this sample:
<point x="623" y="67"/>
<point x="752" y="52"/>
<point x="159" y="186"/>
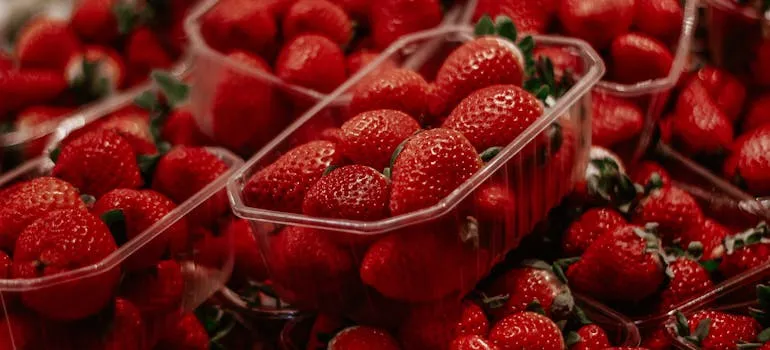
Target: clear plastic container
<point x="682" y="344"/>
<point x="726" y="20"/>
<point x="538" y="187"/>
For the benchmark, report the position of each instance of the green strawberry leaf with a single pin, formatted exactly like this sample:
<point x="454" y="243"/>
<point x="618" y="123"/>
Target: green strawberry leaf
<point x="495" y="302"/>
<point x="126" y="15"/>
<point x="536" y="307"/>
<point x="485" y="26"/>
<point x="147" y="164"/>
<point x="329" y="169"/>
<point x="148" y="101"/>
<point x="504" y="27"/>
<point x="387" y="173"/>
<point x="763" y="296"/>
<point x="702" y="330"/>
<point x="176" y="91"/>
<point x="764" y="336"/>
<point x="54" y="154"/>
<point x="710" y="266"/>
<point x="490" y="153"/>
<point x="682" y="326"/>
<point x="116" y="222"/>
<point x="571" y="339"/>
<point x="580" y="316"/>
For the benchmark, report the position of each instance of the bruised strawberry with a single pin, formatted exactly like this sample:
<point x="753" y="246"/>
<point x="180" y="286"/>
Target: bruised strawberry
<point x="312" y="61"/>
<point x="758" y="113"/>
<point x="95" y="21"/>
<point x="392" y="19"/>
<point x="637" y="57"/>
<point x="27" y="87"/>
<point x="614" y="120"/>
<point x="532" y="283"/>
<point x="672" y="208"/>
<point x="399" y="89"/>
<point x="62" y="241"/>
<point x="591" y="225"/>
<point x="353" y="192"/>
<point x="239" y="25"/>
<point x="687" y="279"/>
<point x="643" y="172"/>
<point x="591" y="337"/>
<point x="282" y="185"/>
<point x="699" y="126"/>
<point x="529" y="16"/>
<point x="709" y="234"/>
<point x="527" y="330"/>
<point x="659" y="18"/>
<point x="185" y="334"/>
<point x="597" y="22"/>
<point x="156" y="290"/>
<point x="363" y="337"/>
<point x="144" y="52"/>
<point x="318" y="17"/>
<point x="45" y="43"/>
<point x="749" y="161"/>
<point x="471" y="342"/>
<point x="371" y="137"/>
<point x="725" y="90"/>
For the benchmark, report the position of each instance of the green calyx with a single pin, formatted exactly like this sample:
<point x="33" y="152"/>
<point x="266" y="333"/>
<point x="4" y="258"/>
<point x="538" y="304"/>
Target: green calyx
<point x="175" y="93"/>
<point x="611" y="184"/>
<point x="217" y="322"/>
<point x="490" y="153"/>
<point x="751" y="236"/>
<point x="683" y="329"/>
<point x="560" y="266"/>
<point x="89" y="85"/>
<point x="494" y="302"/>
<point x="133" y="14"/>
<point x="116" y="221"/>
<point x="655" y="182"/>
<point x="536" y="307"/>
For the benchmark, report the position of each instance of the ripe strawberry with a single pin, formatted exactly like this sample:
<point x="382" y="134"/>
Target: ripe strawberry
<point x="62" y="241"/>
<point x="724" y="331"/>
<point x="133" y="125"/>
<point x="619" y="266"/>
<point x="362" y="58"/>
<point x="659" y="18"/>
<point x="28" y="201"/>
<point x="642" y="172"/>
<point x="476" y="64"/>
<point x="744" y="251"/>
<point x="249" y="265"/>
<point x="430" y="166"/>
<point x="45" y="43"/>
<point x="534" y="282"/>
<point x="749" y="161"/>
<point x="181" y="129"/>
<point x="321" y="127"/>
<point x="699" y="126"/>
<point x="471" y="342"/>
<point x="399" y="89"/>
<point x="687" y="280"/>
<point x="363" y="337"/>
<point x="658" y="339"/>
<point x="121" y="328"/>
<point x="757" y="114"/>
<point x="157" y="290"/>
<point x="638" y="57"/>
<point x="240" y="25"/>
<point x="564" y="60"/>
<point x="31" y="120"/>
<point x="614" y="120"/>
<point x="672" y="208"/>
<point x="144" y="52"/>
<point x="27" y="87"/>
<point x="591" y="225"/>
<point x="186" y="334"/>
<point x="529" y="16"/>
<point x="21" y="330"/>
<point x="371" y="137"/>
<point x="98" y="162"/>
<point x="282" y="185"/>
<point x="311" y="61"/>
<point x="353" y="192"/>
<point x="596" y="22"/>
<point x="95" y="73"/>
<point x="392" y="19"/>
<point x="760" y="69"/>
<point x="527" y="330"/>
<point x="492" y="205"/>
<point x="318" y="17"/>
<point x="710" y="234"/>
<point x="472" y="321"/>
<point x="95" y="21"/>
<point x="725" y="90"/>
<point x="324" y="326"/>
<point x="591" y="337"/>
<point x="358" y="9"/>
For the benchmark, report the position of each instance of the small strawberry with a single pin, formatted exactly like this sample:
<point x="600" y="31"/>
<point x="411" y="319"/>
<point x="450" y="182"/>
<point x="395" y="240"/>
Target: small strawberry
<point x="659" y="18"/>
<point x="371" y="137"/>
<point x="596" y="22"/>
<point x="185" y="334"/>
<point x="62" y="241"/>
<point x="591" y="225"/>
<point x="95" y="21"/>
<point x="687" y="280"/>
<point x="590" y="337"/>
<point x="748" y="163"/>
<point x="699" y="126"/>
<point x="430" y="166"/>
<point x="240" y="25"/>
<point x="725" y="90"/>
<point x="645" y="171"/>
<point x="399" y="89"/>
<point x="614" y="120"/>
<point x="45" y="43"/>
<point x="471" y="342"/>
<point x="757" y="114"/>
<point x="710" y="234"/>
<point x="157" y="290"/>
<point x="282" y="185"/>
<point x="353" y="192"/>
<point x="363" y="337"/>
<point x="672" y="208"/>
<point x="711" y="330"/>
<point x="27" y="87"/>
<point x="392" y="19"/>
<point x="745" y="250"/>
<point x="144" y="52"/>
<point x="529" y="16"/>
<point x="312" y="61"/>
<point x="637" y="57"/>
<point x="95" y="73"/>
<point x="527" y="330"/>
<point x="318" y="17"/>
<point x="119" y="327"/>
<point x="98" y="162"/>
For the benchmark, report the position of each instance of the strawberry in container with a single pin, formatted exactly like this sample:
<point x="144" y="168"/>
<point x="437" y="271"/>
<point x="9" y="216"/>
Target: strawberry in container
<point x="57" y="66"/>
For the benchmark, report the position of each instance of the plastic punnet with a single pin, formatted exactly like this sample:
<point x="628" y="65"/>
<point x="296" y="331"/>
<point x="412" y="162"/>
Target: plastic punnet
<point x="726" y="20"/>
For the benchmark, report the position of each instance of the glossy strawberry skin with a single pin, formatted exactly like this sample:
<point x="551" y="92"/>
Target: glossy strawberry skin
<point x="133" y="125"/>
<point x="239" y="25"/>
<point x="45" y="43"/>
<point x="527" y="330"/>
<point x="690" y="280"/>
<point x="320" y="17"/>
<point x="353" y="192"/>
<point x="312" y="61"/>
<point x="710" y="234"/>
<point x="749" y="161"/>
<point x="526" y="285"/>
<point x="725" y="90"/>
<point x="399" y="89"/>
<point x="27" y="87"/>
<point x="659" y="18"/>
<point x="672" y="208"/>
<point x="529" y="16"/>
<point x="699" y="126"/>
<point x="471" y="342"/>
<point x="638" y="57"/>
<point x="363" y="337"/>
<point x="145" y="52"/>
<point x="744" y="259"/>
<point x="614" y="120"/>
<point x="591" y="337"/>
<point x="726" y="330"/>
<point x="371" y="137"/>
<point x="62" y="241"/>
<point x="392" y="19"/>
<point x="156" y="290"/>
<point x="596" y="22"/>
<point x="95" y="21"/>
<point x="642" y="172"/>
<point x="591" y="225"/>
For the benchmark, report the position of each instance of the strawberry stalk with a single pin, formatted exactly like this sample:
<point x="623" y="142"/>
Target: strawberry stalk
<point x="175" y="93"/>
<point x="89" y="86"/>
<point x="683" y="329"/>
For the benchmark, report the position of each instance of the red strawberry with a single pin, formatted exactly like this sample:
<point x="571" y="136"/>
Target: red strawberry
<point x="133" y="125"/>
<point x="749" y="161"/>
<point x="95" y="73"/>
<point x="129" y="213"/>
<point x="45" y="43"/>
<point x="360" y="59"/>
<point x="157" y="290"/>
<point x="122" y="329"/>
<point x="363" y="337"/>
<point x="725" y="90"/>
<point x="638" y="57"/>
<point x="282" y="185"/>
<point x="249" y="265"/>
<point x="659" y="18"/>
<point x="710" y="234"/>
<point x="318" y="17"/>
<point x="28" y="201"/>
<point x="725" y="331"/>
<point x="371" y="137"/>
<point x="658" y="339"/>
<point x="473" y="321"/>
<point x="643" y="172"/>
<point x="95" y="21"/>
<point x="760" y="69"/>
<point x="311" y="61"/>
<point x="688" y="279"/>
<point x="62" y="241"/>
<point x="430" y="326"/>
<point x="23" y="88"/>
<point x="672" y="208"/>
<point x="744" y="251"/>
<point x="564" y="60"/>
<point x="392" y="19"/>
<point x="353" y="192"/>
<point x="5" y="265"/>
<point x="614" y="120"/>
<point x="532" y="283"/>
<point x="181" y="129"/>
<point x="31" y="120"/>
<point x="98" y="162"/>
<point x="527" y="330"/>
<point x="430" y="166"/>
<point x="699" y="126"/>
<point x="324" y="325"/>
<point x="358" y="9"/>
<point x="22" y="331"/>
<point x="597" y="22"/>
<point x="492" y="205"/>
<point x="591" y="225"/>
<point x="239" y="25"/>
<point x="321" y="127"/>
<point x="591" y="337"/>
<point x="471" y="342"/>
<point x="145" y="52"/>
<point x="186" y="334"/>
<point x="618" y="266"/>
<point x="758" y="113"/>
<point x="475" y="65"/>
<point x="529" y="16"/>
<point x="399" y="89"/>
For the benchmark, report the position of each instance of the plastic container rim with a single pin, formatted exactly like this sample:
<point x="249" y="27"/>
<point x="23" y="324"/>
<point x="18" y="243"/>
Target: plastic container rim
<point x="727" y="5"/>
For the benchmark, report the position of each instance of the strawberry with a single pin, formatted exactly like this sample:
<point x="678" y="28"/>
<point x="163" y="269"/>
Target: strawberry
<point x="687" y="280"/>
<point x="744" y="251"/>
<point x="362" y="58"/>
<point x="472" y="321"/>
<point x="725" y="90"/>
<point x="534" y="282"/>
<point x="62" y="241"/>
<point x="95" y="73"/>
<point x="710" y="234"/>
<point x="430" y="326"/>
<point x="492" y="205"/>
<point x="239" y="25"/>
<point x="596" y="22"/>
<point x="591" y="225"/>
<point x="30" y="120"/>
<point x="430" y="166"/>
<point x="529" y="16"/>
<point x="717" y="330"/>
<point x="121" y="328"/>
<point x="156" y="290"/>
<point x="643" y="172"/>
<point x="619" y="266"/>
<point x="637" y="57"/>
<point x="371" y="137"/>
<point x="614" y="120"/>
<point x="95" y="21"/>
<point x="249" y="265"/>
<point x="23" y="88"/>
<point x="471" y="342"/>
<point x="318" y="17"/>
<point x="399" y="89"/>
<point x="749" y="160"/>
<point x="321" y="127"/>
<point x="144" y="52"/>
<point x="659" y="18"/>
<point x="565" y="61"/>
<point x="527" y="330"/>
<point x="658" y="339"/>
<point x="604" y="180"/>
<point x="324" y="327"/>
<point x="757" y="114"/>
<point x="45" y="43"/>
<point x="133" y="125"/>
<point x="28" y="201"/>
<point x="392" y="19"/>
<point x="363" y="337"/>
<point x="98" y="162"/>
<point x="760" y="69"/>
<point x="353" y="192"/>
<point x="181" y="129"/>
<point x="672" y="208"/>
<point x="358" y="9"/>
<point x="129" y="213"/>
<point x="591" y="337"/>
<point x="699" y="126"/>
<point x="22" y="331"/>
<point x="185" y="334"/>
<point x="311" y="61"/>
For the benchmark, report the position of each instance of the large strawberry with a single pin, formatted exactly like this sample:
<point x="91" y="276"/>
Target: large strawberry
<point x="45" y="43"/>
<point x="699" y="126"/>
<point x="672" y="208"/>
<point x="392" y="19"/>
<point x="535" y="282"/>
<point x="95" y="21"/>
<point x="614" y="120"/>
<point x="637" y="57"/>
<point x="713" y="330"/>
<point x="590" y="337"/>
<point x="399" y="89"/>
<point x="591" y="225"/>
<point x="319" y="17"/>
<point x="371" y="137"/>
<point x="98" y="162"/>
<point x="28" y="201"/>
<point x="659" y="18"/>
<point x="156" y="290"/>
<point x="529" y="16"/>
<point x="527" y="330"/>
<point x="354" y="192"/>
<point x="239" y="25"/>
<point x="312" y="61"/>
<point x="26" y="87"/>
<point x="362" y="337"/>
<point x="597" y="22"/>
<point x="687" y="279"/>
<point x="282" y="185"/>
<point x="62" y="241"/>
<point x="749" y="161"/>
<point x="725" y="90"/>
